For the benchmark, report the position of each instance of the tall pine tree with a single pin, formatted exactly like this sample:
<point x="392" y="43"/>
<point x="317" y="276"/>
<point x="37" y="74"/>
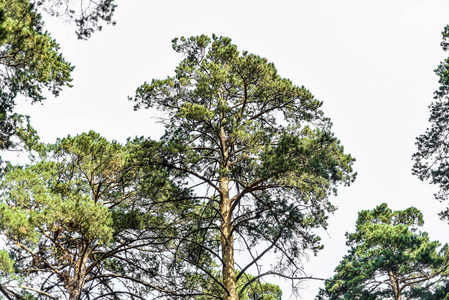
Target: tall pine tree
<point x="257" y="150"/>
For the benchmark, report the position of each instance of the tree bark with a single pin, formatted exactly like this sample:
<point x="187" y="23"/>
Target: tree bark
<point x="75" y="284"/>
<point x="227" y="240"/>
<point x="74" y="294"/>
<point x="227" y="243"/>
<point x="395" y="285"/>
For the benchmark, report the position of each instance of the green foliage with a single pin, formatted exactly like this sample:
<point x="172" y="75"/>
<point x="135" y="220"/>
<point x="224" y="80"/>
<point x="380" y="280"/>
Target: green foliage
<point x="28" y="54"/>
<point x="256" y="147"/>
<point x="439" y="292"/>
<point x="6" y="263"/>
<point x="388" y="257"/>
<point x="248" y="288"/>
<point x="87" y="14"/>
<point x="76" y="220"/>
<point x="29" y="62"/>
<point x="430" y="164"/>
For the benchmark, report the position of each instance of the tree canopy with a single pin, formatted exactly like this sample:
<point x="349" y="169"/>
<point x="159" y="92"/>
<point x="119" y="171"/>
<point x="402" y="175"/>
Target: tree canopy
<point x="389" y="258"/>
<point x="88" y="15"/>
<point x="431" y="159"/>
<point x="30" y="59"/>
<point x="258" y="151"/>
<point x="80" y="221"/>
<point x="253" y="289"/>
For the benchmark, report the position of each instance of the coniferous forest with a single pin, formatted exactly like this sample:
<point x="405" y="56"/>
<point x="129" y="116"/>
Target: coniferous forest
<point x="240" y="193"/>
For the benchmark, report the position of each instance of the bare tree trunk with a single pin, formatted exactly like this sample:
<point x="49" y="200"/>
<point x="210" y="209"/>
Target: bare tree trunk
<point x="73" y="287"/>
<point x="395" y="285"/>
<point x="227" y="243"/>
<point x="227" y="240"/>
<point x="74" y="294"/>
<point x="74" y="284"/>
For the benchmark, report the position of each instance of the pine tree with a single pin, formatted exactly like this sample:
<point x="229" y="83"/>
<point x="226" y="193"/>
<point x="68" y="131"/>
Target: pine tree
<point x="259" y="153"/>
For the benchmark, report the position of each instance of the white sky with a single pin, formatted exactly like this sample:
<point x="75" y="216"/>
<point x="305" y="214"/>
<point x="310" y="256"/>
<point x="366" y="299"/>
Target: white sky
<point x="371" y="62"/>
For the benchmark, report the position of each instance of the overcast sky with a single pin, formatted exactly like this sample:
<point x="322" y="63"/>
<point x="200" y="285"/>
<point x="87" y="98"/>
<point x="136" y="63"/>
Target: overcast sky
<point x="371" y="62"/>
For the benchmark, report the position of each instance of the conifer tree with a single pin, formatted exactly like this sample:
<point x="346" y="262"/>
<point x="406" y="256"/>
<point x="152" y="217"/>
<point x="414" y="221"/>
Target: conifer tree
<point x="389" y="258"/>
<point x="431" y="159"/>
<point x="83" y="223"/>
<point x="30" y="59"/>
<point x="258" y="151"/>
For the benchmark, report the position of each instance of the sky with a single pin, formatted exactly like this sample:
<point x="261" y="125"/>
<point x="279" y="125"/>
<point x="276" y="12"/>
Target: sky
<point x="370" y="62"/>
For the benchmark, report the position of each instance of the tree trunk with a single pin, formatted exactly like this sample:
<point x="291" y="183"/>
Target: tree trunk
<point x="227" y="243"/>
<point x="74" y="287"/>
<point x="227" y="240"/>
<point x="74" y="294"/>
<point x="75" y="283"/>
<point x="395" y="285"/>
